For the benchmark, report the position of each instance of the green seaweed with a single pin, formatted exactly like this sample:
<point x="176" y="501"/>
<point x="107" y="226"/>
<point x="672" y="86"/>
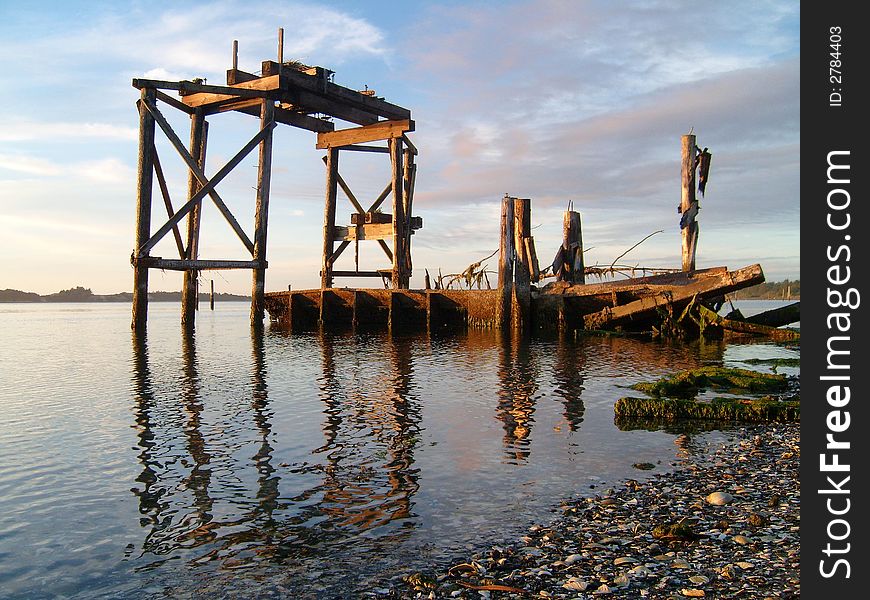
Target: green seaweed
<point x="687" y="384"/>
<point x="765" y="409"/>
<point x="775" y="362"/>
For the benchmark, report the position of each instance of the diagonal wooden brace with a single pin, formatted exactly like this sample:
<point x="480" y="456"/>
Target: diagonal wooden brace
<point x="207" y="188"/>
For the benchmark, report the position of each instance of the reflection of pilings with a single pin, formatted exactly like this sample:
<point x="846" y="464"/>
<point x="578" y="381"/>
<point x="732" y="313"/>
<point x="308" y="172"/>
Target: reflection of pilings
<point x="360" y="488"/>
<point x="267" y="492"/>
<point x="149" y="499"/>
<point x="517" y="375"/>
<point x="568" y="375"/>
<point x="200" y="474"/>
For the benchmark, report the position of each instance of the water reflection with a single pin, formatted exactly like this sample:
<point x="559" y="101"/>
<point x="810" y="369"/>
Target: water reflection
<point x="197" y="496"/>
<point x="568" y="368"/>
<point x="518" y="374"/>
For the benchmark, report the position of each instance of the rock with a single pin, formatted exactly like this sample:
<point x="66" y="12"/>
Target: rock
<point x="575" y="585"/>
<point x="699" y="579"/>
<point x="742" y="540"/>
<point x="621" y="580"/>
<point x="692" y="593"/>
<point x="719" y="498"/>
<point x="603" y="589"/>
<point x="571" y="559"/>
<point x="744" y="565"/>
<point x="623" y="559"/>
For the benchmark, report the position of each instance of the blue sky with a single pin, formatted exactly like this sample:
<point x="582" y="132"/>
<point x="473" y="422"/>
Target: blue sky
<point x="551" y="100"/>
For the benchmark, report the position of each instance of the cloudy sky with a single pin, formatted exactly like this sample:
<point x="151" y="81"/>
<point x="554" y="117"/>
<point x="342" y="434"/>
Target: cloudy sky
<point x="554" y="100"/>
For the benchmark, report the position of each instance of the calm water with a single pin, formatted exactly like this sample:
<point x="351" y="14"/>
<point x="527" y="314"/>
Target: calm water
<point x="136" y="468"/>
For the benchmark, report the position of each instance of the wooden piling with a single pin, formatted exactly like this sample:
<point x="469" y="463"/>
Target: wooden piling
<point x="190" y="289"/>
<point x="143" y="209"/>
<point x="261" y="215"/>
<point x="211" y="296"/>
<point x="329" y="217"/>
<point x="506" y="260"/>
<point x="688" y="203"/>
<point x="521" y="299"/>
<point x="400" y="276"/>
<point x="572" y="247"/>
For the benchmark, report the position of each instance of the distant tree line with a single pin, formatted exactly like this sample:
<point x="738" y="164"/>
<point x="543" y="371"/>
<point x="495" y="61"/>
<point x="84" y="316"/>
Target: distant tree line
<point x="789" y="289"/>
<point x="82" y="294"/>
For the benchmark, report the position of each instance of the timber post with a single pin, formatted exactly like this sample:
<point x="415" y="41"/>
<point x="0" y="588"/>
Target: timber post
<point x="522" y="298"/>
<point x="143" y="210"/>
<point x="261" y="217"/>
<point x="688" y="203"/>
<point x="329" y="217"/>
<point x="190" y="289"/>
<point x="572" y="247"/>
<point x="400" y="275"/>
<point x="506" y="261"/>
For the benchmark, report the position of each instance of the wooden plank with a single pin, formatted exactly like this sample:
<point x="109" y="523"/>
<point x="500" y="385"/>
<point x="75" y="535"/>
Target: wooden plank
<point x="381" y="273"/>
<point x="235" y="76"/>
<point x="662" y="280"/>
<point x="531" y="253"/>
<point x="262" y="87"/>
<point x="261" y="212"/>
<point x="783" y="315"/>
<point x="329" y="217"/>
<point x="383" y="130"/>
<point x="358" y="148"/>
<point x="367" y="231"/>
<point x="143" y="209"/>
<point x="197" y="172"/>
<point x="703" y="288"/>
<point x="380" y="199"/>
<point x="347" y="191"/>
<point x="176" y="264"/>
<point x="310" y="102"/>
<point x="294" y="119"/>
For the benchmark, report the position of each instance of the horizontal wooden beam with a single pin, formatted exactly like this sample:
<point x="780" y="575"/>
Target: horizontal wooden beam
<point x="235" y="76"/>
<point x="383" y="130"/>
<point x="162" y="96"/>
<point x="288" y="117"/>
<point x="194" y="93"/>
<point x="357" y="148"/>
<point x="381" y="273"/>
<point x="310" y="102"/>
<point x="369" y="231"/>
<point x="174" y="264"/>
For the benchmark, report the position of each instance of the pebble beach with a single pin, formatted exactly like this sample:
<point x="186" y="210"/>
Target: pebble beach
<point x="724" y="523"/>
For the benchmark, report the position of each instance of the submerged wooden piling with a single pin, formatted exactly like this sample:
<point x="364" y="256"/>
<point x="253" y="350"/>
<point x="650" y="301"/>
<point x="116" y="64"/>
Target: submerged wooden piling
<point x="688" y="203"/>
<point x="522" y="279"/>
<point x="261" y="216"/>
<point x="190" y="289"/>
<point x="572" y="248"/>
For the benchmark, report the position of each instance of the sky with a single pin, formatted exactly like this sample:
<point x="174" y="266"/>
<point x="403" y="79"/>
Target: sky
<point x="557" y="101"/>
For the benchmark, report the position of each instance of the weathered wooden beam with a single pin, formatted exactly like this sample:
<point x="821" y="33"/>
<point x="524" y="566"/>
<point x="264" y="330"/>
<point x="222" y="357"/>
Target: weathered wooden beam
<point x="143" y="209"/>
<point x="195" y="93"/>
<point x="381" y="197"/>
<point x="205" y="190"/>
<point x="506" y="260"/>
<point x="190" y="289"/>
<point x="294" y="119"/>
<point x="163" y="97"/>
<point x="358" y="148"/>
<point x="235" y="76"/>
<point x="366" y="231"/>
<point x="383" y="130"/>
<point x="409" y="145"/>
<point x="310" y="102"/>
<point x="329" y="217"/>
<point x="341" y="248"/>
<point x="381" y="273"/>
<point x="532" y="254"/>
<point x="652" y="282"/>
<point x="261" y="215"/>
<point x="521" y="300"/>
<point x="776" y="317"/>
<point x="399" y="278"/>
<point x="319" y="84"/>
<point x="347" y="191"/>
<point x="688" y="203"/>
<point x="177" y="264"/>
<point x="167" y="202"/>
<point x="703" y="288"/>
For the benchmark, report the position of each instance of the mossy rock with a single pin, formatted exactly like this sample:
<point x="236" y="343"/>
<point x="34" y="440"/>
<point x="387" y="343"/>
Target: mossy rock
<point x="687" y="384"/>
<point x="774" y="362"/>
<point x="750" y="410"/>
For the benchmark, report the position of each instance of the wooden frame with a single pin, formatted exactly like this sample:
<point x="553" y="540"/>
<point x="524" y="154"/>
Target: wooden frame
<point x="305" y="99"/>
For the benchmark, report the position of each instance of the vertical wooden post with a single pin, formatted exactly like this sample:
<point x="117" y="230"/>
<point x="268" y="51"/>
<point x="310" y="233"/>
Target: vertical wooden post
<point x="522" y="297"/>
<point x="261" y="216"/>
<point x="408" y="171"/>
<point x="143" y="209"/>
<point x="572" y="247"/>
<point x="400" y="275"/>
<point x="329" y="217"/>
<point x="235" y="55"/>
<point x="688" y="203"/>
<point x="190" y="289"/>
<point x="506" y="260"/>
<point x="211" y="296"/>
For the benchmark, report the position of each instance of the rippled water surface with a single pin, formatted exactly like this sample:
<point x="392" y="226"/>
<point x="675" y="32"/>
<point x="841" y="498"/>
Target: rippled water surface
<point x="321" y="463"/>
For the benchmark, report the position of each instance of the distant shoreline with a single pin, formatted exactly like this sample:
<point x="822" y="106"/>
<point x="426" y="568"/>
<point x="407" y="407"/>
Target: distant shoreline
<point x="80" y="294"/>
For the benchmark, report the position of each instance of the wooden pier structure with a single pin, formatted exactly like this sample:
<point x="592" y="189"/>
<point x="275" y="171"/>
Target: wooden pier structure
<point x="290" y="93"/>
<point x="287" y="93"/>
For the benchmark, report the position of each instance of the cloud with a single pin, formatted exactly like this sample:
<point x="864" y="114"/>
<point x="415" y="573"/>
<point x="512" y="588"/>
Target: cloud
<point x="14" y="129"/>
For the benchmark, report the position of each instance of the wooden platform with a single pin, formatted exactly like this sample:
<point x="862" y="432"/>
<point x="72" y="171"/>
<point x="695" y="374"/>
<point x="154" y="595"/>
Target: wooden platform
<point x="629" y="303"/>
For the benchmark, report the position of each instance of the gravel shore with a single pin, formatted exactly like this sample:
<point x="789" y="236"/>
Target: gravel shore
<point x="724" y="524"/>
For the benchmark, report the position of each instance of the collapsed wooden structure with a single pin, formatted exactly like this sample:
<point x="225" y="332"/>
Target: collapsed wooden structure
<point x="284" y="93"/>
